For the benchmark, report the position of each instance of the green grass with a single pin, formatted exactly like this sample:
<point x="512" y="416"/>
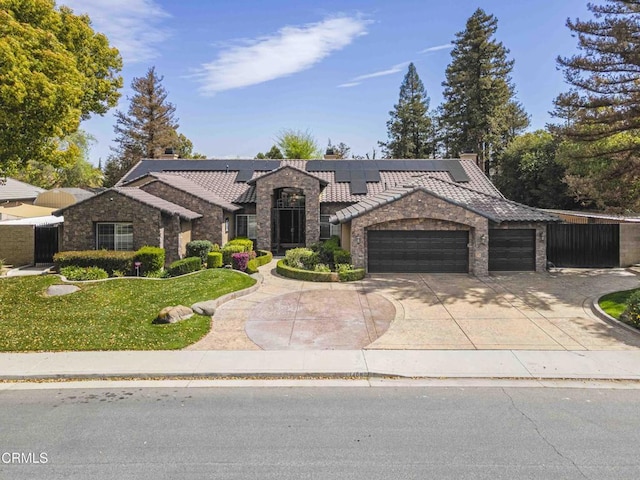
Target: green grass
<point x="615" y="303"/>
<point x="110" y="315"/>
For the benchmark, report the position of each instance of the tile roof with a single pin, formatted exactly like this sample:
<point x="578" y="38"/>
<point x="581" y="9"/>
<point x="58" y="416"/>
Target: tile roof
<point x="184" y="184"/>
<point x="156" y="202"/>
<point x="495" y="208"/>
<point x="11" y="189"/>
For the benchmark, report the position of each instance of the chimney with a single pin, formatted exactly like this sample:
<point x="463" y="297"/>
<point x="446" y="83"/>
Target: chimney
<point x="168" y="154"/>
<point x="469" y="156"/>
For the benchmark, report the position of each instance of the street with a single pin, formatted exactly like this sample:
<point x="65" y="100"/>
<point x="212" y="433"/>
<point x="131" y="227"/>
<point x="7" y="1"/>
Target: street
<point x="320" y="433"/>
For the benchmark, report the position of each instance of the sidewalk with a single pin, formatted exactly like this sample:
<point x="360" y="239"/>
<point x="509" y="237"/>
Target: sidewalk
<point x="439" y="364"/>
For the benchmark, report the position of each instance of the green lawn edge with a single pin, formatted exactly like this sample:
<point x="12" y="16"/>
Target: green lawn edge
<point x="107" y="315"/>
<point x="614" y="304"/>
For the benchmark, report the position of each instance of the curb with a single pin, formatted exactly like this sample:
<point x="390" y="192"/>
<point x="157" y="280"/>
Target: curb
<point x="602" y="315"/>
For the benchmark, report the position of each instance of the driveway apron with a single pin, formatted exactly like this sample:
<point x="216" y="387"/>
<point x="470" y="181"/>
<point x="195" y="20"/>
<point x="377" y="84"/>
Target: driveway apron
<point x="523" y="311"/>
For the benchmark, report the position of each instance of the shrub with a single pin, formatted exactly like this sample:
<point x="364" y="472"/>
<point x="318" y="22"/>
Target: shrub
<point x="343" y="267"/>
<point x="325" y="249"/>
<point x="156" y="274"/>
<point x="244" y="242"/>
<point x="239" y="261"/>
<point x="301" y="257"/>
<point x="229" y="250"/>
<point x="214" y="260"/>
<point x="341" y="256"/>
<point x="351" y="275"/>
<point x="632" y="313"/>
<point x="263" y="257"/>
<point x="151" y="258"/>
<point x="215" y="247"/>
<point x="186" y="265"/>
<point x="199" y="248"/>
<point x="252" y="266"/>
<point x="287" y="271"/>
<point x="321" y="267"/>
<point x="83" y="273"/>
<point x="108" y="260"/>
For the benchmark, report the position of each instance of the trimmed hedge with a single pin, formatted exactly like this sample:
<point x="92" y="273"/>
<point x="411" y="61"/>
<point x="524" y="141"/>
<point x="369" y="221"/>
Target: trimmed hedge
<point x="83" y="273"/>
<point x="252" y="266"/>
<point x="229" y="250"/>
<point x="199" y="248"/>
<point x="244" y="242"/>
<point x="306" y="275"/>
<point x="151" y="258"/>
<point x="108" y="260"/>
<point x="214" y="260"/>
<point x="341" y="256"/>
<point x="264" y="257"/>
<point x="352" y="275"/>
<point x="186" y="265"/>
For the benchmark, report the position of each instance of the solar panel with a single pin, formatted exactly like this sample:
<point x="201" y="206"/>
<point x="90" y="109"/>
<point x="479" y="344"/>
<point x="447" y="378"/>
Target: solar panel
<point x="457" y="172"/>
<point x="358" y="187"/>
<point x="343" y="176"/>
<point x="244" y="176"/>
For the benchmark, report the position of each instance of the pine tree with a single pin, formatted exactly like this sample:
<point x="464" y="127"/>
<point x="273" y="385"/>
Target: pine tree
<point x="146" y="130"/>
<point x="479" y="113"/>
<point x="605" y="100"/>
<point x="409" y="127"/>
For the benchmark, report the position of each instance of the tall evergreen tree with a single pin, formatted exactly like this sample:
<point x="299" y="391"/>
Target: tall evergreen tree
<point x="479" y="112"/>
<point x="146" y="130"/>
<point x="409" y="129"/>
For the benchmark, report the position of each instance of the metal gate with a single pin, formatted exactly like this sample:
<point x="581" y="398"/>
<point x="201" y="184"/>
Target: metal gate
<point x="46" y="244"/>
<point x="583" y="245"/>
<point x="512" y="249"/>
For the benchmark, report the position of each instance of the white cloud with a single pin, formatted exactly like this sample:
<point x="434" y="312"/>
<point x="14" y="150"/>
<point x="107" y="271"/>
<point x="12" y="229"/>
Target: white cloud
<point x="132" y="26"/>
<point x="349" y="84"/>
<point x="390" y="71"/>
<point x="290" y="50"/>
<point x="446" y="46"/>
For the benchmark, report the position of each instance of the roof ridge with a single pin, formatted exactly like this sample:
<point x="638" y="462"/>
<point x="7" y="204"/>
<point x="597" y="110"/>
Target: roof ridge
<point x="465" y="187"/>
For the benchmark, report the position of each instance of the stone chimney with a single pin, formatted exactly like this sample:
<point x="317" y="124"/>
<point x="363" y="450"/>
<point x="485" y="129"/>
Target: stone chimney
<point x="474" y="157"/>
<point x="168" y="155"/>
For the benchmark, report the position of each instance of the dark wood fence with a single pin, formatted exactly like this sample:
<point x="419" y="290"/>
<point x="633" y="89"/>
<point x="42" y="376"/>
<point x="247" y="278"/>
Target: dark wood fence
<point x="583" y="245"/>
<point x="46" y="244"/>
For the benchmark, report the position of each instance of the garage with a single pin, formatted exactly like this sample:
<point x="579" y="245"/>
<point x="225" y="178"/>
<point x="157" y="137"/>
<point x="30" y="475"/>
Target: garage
<point x="512" y="250"/>
<point x="428" y="251"/>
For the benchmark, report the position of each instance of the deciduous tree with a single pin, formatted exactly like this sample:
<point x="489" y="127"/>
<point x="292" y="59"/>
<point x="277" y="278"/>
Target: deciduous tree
<point x="298" y="144"/>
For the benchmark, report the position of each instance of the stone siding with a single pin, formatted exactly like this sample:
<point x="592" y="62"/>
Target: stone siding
<point x="423" y="211"/>
<point x="629" y="244"/>
<point x="17" y="243"/>
<point x="287" y="177"/>
<point x="209" y="227"/>
<point x="150" y="227"/>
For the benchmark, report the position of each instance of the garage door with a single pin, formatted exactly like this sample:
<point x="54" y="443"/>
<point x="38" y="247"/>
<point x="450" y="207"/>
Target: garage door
<point x="430" y="251"/>
<point x="512" y="250"/>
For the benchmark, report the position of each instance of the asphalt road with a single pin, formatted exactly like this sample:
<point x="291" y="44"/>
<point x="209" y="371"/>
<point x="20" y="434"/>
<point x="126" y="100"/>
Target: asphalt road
<point x="320" y="433"/>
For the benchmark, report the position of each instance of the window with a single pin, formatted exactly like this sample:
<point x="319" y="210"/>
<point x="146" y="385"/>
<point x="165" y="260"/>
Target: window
<point x="327" y="229"/>
<point x="246" y="226"/>
<point x="114" y="236"/>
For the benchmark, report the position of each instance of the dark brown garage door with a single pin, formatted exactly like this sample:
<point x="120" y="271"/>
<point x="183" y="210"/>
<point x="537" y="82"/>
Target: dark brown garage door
<point x="431" y="251"/>
<point x="512" y="250"/>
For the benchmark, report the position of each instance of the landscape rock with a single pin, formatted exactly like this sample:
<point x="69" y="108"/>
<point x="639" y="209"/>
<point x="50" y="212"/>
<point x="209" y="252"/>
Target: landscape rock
<point x="57" y="290"/>
<point x="207" y="308"/>
<point x="173" y="314"/>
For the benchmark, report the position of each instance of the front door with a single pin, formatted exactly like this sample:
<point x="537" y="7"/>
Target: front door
<point x="288" y="219"/>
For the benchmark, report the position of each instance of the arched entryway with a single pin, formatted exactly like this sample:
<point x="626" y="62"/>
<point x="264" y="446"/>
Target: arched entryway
<point x="288" y="218"/>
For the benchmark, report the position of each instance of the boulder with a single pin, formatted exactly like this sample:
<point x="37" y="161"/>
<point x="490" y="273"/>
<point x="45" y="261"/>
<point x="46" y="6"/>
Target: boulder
<point x="173" y="314"/>
<point x="57" y="290"/>
<point x="207" y="308"/>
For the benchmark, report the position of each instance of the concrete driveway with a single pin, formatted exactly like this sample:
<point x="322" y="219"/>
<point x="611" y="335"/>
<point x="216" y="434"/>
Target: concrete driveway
<point x="524" y="311"/>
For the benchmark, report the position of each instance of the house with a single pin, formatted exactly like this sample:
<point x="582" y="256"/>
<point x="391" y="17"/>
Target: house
<point x="14" y="192"/>
<point x="393" y="215"/>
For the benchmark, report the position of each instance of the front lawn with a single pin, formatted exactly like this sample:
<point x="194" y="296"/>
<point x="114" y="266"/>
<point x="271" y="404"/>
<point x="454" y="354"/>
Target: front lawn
<point x="110" y="315"/>
<point x="615" y="303"/>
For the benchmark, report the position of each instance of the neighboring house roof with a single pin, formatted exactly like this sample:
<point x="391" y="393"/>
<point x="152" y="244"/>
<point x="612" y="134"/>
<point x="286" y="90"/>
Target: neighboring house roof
<point x="36" y="221"/>
<point x="11" y="189"/>
<point x="188" y="186"/>
<point x="387" y="174"/>
<point x="62" y="197"/>
<point x="608" y="217"/>
<point x="145" y="198"/>
<point x="495" y="208"/>
<point x="25" y="211"/>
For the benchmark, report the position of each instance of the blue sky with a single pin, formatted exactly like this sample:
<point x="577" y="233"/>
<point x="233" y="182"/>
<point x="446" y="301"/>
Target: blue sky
<point x="241" y="71"/>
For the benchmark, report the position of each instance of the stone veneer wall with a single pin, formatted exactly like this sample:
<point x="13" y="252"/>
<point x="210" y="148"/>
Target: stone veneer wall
<point x="422" y="211"/>
<point x="541" y="239"/>
<point x="17" y="243"/>
<point x="209" y="227"/>
<point x="150" y="227"/>
<point x="629" y="244"/>
<point x="287" y="177"/>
